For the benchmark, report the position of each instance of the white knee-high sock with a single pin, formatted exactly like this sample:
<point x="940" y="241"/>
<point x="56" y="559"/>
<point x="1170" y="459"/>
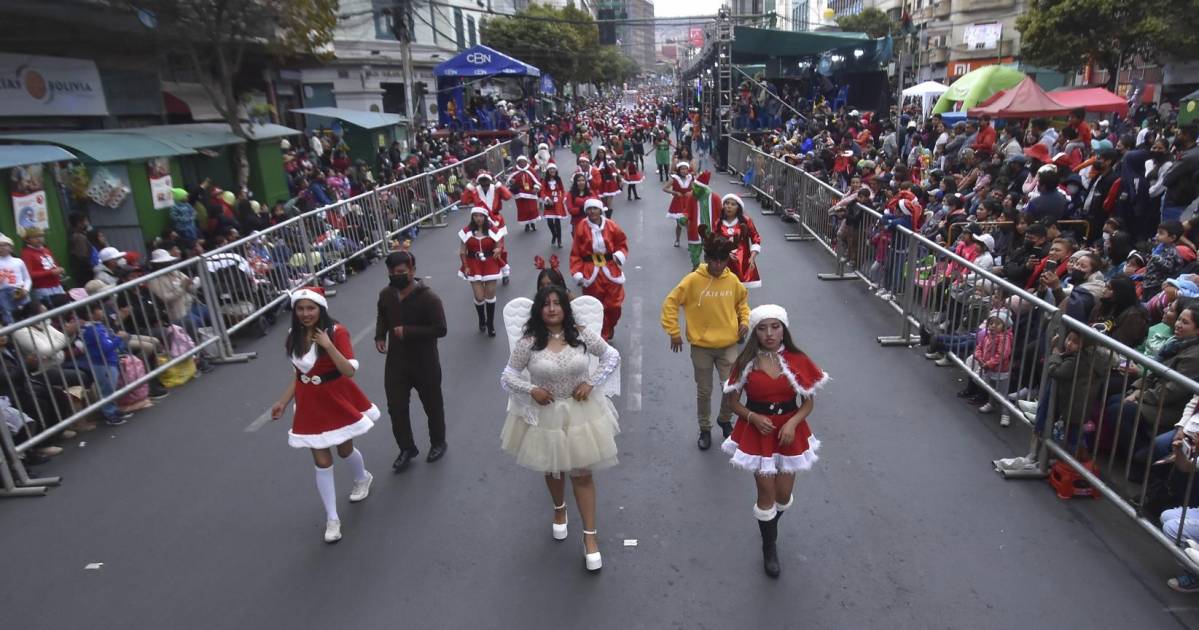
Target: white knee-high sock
<point x="325" y="485"/>
<point x="357" y="465"/>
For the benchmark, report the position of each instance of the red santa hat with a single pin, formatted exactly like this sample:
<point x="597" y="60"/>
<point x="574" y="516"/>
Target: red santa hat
<point x="483" y="174"/>
<point x="522" y="157"/>
<point x="767" y="311"/>
<point x="552" y="165"/>
<point x="584" y="158"/>
<point x="314" y="294"/>
<point x="734" y="197"/>
<point x="704" y="178"/>
<point x="592" y="202"/>
<point x="480" y="210"/>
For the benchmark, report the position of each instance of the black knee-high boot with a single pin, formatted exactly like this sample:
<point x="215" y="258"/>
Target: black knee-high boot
<point x="770" y="554"/>
<point x="482" y="317"/>
<point x="490" y="318"/>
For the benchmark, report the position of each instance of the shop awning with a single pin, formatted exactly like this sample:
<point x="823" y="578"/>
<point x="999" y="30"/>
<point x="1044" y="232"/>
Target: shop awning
<point x="209" y="135"/>
<point x="1091" y="99"/>
<point x="22" y="154"/>
<point x="190" y="98"/>
<point x="481" y="61"/>
<point x="103" y="146"/>
<point x="356" y="117"/>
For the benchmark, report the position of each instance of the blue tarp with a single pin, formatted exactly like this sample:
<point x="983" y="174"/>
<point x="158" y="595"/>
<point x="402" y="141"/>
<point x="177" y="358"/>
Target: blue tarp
<point x="481" y="61"/>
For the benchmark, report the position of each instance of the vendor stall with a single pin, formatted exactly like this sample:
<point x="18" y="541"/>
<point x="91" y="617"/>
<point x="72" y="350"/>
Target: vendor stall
<point x="366" y="132"/>
<point x="1092" y="99"/>
<point x="928" y="92"/>
<point x="464" y="82"/>
<point x="1025" y="100"/>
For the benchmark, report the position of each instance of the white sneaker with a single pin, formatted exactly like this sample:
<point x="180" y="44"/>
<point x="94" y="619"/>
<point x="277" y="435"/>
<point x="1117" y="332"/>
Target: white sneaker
<point x="933" y="355"/>
<point x="987" y="408"/>
<point x="1027" y="406"/>
<point x="1005" y="420"/>
<point x="361" y="489"/>
<point x="1018" y="394"/>
<point x="944" y="362"/>
<point x="332" y="531"/>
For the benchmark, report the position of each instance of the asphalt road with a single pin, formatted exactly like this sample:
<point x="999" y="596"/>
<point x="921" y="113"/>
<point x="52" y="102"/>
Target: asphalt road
<point x="202" y="524"/>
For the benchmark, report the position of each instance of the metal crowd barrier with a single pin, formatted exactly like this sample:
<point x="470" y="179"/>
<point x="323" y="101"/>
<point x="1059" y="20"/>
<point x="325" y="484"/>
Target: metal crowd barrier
<point x="56" y="373"/>
<point x="990" y="227"/>
<point x="1072" y="385"/>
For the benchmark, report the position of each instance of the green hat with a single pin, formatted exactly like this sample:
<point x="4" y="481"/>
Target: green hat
<point x="179" y="194"/>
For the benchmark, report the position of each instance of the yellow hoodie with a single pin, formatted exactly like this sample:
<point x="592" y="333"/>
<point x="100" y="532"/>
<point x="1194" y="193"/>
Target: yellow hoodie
<point x="715" y="308"/>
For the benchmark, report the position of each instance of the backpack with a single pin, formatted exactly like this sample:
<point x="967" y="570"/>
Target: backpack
<point x="178" y="341"/>
<point x="131" y="370"/>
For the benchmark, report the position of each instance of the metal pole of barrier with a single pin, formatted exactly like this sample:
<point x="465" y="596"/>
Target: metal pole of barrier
<point x="1047" y="395"/>
<point x="906" y="290"/>
<point x="209" y="287"/>
<point x="798" y="195"/>
<point x="22" y="485"/>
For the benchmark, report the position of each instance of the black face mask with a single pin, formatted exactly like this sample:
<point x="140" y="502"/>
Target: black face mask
<point x="401" y="281"/>
<point x="1077" y="277"/>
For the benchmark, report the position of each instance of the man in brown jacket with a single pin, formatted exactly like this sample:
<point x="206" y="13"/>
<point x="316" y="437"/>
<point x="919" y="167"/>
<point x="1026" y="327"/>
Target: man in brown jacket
<point x="409" y="323"/>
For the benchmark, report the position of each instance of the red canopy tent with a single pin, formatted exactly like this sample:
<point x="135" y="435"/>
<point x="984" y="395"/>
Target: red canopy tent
<point x="1093" y="99"/>
<point x="1025" y="100"/>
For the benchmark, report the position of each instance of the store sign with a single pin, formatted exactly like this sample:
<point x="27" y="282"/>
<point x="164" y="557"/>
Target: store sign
<point x="983" y="36"/>
<point x="50" y="86"/>
<point x="159" y="170"/>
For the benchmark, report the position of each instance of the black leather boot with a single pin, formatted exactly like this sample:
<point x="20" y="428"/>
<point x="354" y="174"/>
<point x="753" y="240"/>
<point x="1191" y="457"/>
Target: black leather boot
<point x="770" y="555"/>
<point x="490" y="319"/>
<point x="482" y="318"/>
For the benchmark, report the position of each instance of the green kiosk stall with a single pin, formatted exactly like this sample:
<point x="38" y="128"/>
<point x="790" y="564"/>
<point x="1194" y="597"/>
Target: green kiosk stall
<point x="364" y="132"/>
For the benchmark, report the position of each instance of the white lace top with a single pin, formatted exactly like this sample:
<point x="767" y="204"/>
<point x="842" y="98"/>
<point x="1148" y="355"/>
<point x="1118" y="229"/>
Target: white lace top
<point x="559" y="372"/>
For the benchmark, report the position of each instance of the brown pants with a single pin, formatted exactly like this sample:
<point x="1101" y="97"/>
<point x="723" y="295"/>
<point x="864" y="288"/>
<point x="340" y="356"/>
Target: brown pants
<point x="703" y="360"/>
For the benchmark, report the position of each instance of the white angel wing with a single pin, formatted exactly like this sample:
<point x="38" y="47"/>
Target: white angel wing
<point x="589" y="312"/>
<point x="516" y="313"/>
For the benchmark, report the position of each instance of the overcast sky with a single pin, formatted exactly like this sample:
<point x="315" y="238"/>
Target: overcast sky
<point x="668" y="8"/>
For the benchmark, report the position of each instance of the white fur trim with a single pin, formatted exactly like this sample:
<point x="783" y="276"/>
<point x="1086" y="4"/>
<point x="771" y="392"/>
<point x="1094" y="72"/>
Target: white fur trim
<point x="578" y="277"/>
<point x="734" y="197"/>
<point x="783" y="507"/>
<point x="752" y="285"/>
<point x="773" y="465"/>
<point x="681" y="182"/>
<point x="480" y="210"/>
<point x="488" y="278"/>
<point x="353" y="363"/>
<point x="614" y="278"/>
<point x="619" y="256"/>
<point x="755" y="247"/>
<point x="802" y="391"/>
<point x="308" y="294"/>
<point x="765" y="515"/>
<point x="336" y="436"/>
<point x="592" y="202"/>
<point x="767" y="311"/>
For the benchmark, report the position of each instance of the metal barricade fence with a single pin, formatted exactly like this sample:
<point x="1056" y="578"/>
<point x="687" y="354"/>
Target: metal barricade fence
<point x="990" y="227"/>
<point x="108" y="354"/>
<point x="1104" y="411"/>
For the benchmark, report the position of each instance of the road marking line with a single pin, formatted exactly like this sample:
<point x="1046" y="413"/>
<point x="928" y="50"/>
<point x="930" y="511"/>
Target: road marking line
<point x="634" y="365"/>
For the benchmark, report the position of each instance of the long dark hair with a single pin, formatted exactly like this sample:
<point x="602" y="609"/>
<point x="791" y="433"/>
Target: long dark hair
<point x="297" y="337"/>
<point x="574" y="188"/>
<point x="474" y="229"/>
<point x="535" y="326"/>
<point x="554" y="276"/>
<point x="750" y="352"/>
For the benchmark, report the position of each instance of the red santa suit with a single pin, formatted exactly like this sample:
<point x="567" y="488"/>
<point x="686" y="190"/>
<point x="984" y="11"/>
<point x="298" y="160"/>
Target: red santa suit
<point x="609" y="179"/>
<point x="631" y="174"/>
<point x="553" y="197"/>
<point x="574" y="206"/>
<point x="528" y="188"/>
<point x="775" y="398"/>
<point x="329" y="407"/>
<point x="594" y="181"/>
<point x="484" y="262"/>
<point x="744" y="235"/>
<point x="678" y="203"/>
<point x="694" y="220"/>
<point x="597" y="256"/>
<point x="493" y="200"/>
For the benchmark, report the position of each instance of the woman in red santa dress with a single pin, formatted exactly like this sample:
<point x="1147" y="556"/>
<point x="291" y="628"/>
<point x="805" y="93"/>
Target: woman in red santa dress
<point x="682" y="197"/>
<point x="577" y="195"/>
<point x="592" y="172"/>
<point x="528" y="194"/>
<point x="597" y="257"/>
<point x="482" y="253"/>
<point x="740" y="229"/>
<point x="609" y="175"/>
<point x="553" y="197"/>
<point x="772" y="438"/>
<point x="484" y="192"/>
<point x="330" y="410"/>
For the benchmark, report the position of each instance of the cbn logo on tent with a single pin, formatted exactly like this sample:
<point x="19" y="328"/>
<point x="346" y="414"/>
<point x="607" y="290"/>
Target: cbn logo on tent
<point x="478" y="58"/>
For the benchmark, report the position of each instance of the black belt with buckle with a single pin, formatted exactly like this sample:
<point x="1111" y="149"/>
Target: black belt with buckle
<point x="319" y="378"/>
<point x="772" y="409"/>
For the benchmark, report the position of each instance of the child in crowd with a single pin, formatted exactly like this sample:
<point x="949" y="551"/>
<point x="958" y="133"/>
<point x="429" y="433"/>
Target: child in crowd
<point x="102" y="346"/>
<point x="992" y="359"/>
<point x="1173" y="289"/>
<point x="1162" y="331"/>
<point x="1165" y="261"/>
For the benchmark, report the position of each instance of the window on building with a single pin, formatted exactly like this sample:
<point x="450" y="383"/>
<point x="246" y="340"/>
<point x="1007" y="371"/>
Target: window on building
<point x="384" y="20"/>
<point x="459" y="31"/>
<point x="470" y="27"/>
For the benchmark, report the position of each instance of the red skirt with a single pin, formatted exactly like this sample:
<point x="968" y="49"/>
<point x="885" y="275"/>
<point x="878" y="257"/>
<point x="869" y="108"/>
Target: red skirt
<point x="330" y="413"/>
<point x="527" y="211"/>
<point x="490" y="268"/>
<point x="678" y="207"/>
<point x="762" y="454"/>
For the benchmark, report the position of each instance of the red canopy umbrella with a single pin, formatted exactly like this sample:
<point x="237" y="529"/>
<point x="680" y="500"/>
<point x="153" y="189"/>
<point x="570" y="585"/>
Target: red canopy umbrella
<point x="1025" y="100"/>
<point x="1093" y="99"/>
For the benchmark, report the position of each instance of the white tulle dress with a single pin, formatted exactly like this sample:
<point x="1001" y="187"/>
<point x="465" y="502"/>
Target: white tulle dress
<point x="567" y="435"/>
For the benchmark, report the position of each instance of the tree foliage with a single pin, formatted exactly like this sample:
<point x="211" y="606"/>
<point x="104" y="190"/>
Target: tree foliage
<point x="568" y="49"/>
<point x="1067" y="34"/>
<point x="216" y="35"/>
<point x="871" y="21"/>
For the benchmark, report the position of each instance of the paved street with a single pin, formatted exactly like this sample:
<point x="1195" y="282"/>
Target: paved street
<point x="202" y="524"/>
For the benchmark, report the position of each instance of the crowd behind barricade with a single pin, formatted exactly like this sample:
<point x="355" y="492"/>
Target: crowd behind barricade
<point x="55" y="365"/>
<point x="1096" y="217"/>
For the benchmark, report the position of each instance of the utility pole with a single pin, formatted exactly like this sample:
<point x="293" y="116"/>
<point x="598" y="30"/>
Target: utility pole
<point x="401" y="25"/>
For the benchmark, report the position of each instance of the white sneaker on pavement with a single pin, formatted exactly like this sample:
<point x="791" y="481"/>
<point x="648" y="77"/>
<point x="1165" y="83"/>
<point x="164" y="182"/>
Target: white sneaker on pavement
<point x="361" y="489"/>
<point x="933" y="355"/>
<point x="944" y="362"/>
<point x="987" y="408"/>
<point x="332" y="531"/>
<point x="1005" y="420"/>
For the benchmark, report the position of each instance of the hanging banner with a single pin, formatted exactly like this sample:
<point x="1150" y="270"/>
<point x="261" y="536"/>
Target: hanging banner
<point x="159" y="170"/>
<point x="50" y="86"/>
<point x="29" y="199"/>
<point x="547" y="84"/>
<point x="696" y="36"/>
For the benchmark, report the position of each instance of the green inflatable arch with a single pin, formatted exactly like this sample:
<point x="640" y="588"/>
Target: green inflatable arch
<point x="977" y="86"/>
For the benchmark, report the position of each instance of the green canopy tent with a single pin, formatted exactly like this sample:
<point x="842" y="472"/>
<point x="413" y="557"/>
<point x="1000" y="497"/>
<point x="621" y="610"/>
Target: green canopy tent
<point x="977" y="86"/>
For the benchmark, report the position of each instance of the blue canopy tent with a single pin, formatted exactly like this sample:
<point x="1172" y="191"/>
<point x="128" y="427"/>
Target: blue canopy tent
<point x="464" y="69"/>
